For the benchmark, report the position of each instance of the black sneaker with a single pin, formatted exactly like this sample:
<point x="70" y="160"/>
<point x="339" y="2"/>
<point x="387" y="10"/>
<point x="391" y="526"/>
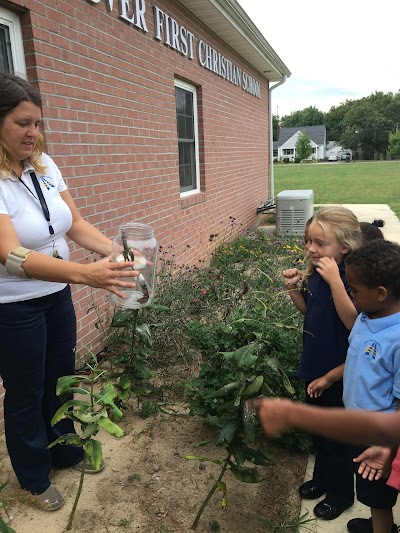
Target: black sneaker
<point x="364" y="525"/>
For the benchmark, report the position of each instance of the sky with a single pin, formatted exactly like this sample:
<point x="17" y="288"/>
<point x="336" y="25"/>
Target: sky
<point x="335" y="51"/>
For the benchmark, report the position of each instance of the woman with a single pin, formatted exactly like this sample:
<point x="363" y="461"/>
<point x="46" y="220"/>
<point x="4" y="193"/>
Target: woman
<point x="37" y="318"/>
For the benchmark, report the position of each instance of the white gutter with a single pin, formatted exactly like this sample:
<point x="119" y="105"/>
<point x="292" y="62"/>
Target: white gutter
<point x="271" y="139"/>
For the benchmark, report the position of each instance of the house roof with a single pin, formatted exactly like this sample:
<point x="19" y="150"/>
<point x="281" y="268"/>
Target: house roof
<point x="316" y="133"/>
<point x="229" y="21"/>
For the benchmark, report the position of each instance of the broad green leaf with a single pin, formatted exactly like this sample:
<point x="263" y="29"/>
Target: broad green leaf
<point x="272" y="363"/>
<point x="143" y="332"/>
<point x="225" y="390"/>
<point x="107" y="395"/>
<point x="244" y="356"/>
<point x="90" y="430"/>
<point x="247" y="475"/>
<point x="125" y="382"/>
<point x="115" y="412"/>
<point x="123" y="318"/>
<point x="87" y="417"/>
<point x="288" y="386"/>
<point x="238" y="450"/>
<point x="258" y="457"/>
<point x="204" y="459"/>
<point x="111" y="428"/>
<point x="226" y="434"/>
<point x="4" y="528"/>
<point x="69" y="438"/>
<point x="63" y="411"/>
<point x="65" y="382"/>
<point x="238" y="398"/>
<point x="93" y="452"/>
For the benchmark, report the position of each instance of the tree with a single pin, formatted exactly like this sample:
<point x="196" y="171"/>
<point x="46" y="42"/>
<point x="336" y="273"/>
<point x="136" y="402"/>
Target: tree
<point x="303" y="147"/>
<point x="334" y="120"/>
<point x="275" y="127"/>
<point x="394" y="144"/>
<point x="310" y="116"/>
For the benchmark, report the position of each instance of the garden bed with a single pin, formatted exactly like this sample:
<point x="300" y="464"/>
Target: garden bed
<point x="148" y="486"/>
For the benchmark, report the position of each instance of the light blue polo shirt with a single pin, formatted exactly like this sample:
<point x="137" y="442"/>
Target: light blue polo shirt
<point x="372" y="370"/>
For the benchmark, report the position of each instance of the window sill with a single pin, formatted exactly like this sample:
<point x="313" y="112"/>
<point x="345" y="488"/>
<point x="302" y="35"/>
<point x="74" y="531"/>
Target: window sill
<point x="190" y="201"/>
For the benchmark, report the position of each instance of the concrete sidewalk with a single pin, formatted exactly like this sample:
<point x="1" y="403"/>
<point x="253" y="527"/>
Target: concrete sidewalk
<point x="391" y="232"/>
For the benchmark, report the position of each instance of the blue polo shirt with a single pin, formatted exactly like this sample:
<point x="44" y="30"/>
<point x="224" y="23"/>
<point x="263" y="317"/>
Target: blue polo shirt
<point x="372" y="371"/>
<point x="325" y="337"/>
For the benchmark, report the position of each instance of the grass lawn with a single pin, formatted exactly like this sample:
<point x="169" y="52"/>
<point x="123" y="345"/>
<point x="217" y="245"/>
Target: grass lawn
<point x="370" y="182"/>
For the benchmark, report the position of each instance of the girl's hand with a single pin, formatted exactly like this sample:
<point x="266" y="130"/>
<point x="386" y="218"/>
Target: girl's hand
<point x="317" y="387"/>
<point x="105" y="274"/>
<point x="292" y="277"/>
<point x="328" y="269"/>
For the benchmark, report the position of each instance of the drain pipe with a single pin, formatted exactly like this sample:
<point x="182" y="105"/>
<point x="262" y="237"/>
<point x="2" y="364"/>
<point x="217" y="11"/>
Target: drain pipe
<point x="271" y="139"/>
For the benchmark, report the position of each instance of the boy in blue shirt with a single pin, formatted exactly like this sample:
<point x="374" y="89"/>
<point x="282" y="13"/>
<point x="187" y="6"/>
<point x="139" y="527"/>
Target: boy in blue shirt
<point x="372" y="369"/>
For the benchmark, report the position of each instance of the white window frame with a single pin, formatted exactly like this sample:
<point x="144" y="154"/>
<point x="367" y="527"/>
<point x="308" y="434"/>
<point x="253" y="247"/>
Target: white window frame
<point x="11" y="20"/>
<point x="192" y="89"/>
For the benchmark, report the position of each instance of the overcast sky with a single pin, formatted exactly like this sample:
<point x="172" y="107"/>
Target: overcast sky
<point x="336" y="51"/>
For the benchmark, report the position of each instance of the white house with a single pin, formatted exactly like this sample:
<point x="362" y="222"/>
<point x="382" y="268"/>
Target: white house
<point x="285" y="147"/>
<point x="334" y="149"/>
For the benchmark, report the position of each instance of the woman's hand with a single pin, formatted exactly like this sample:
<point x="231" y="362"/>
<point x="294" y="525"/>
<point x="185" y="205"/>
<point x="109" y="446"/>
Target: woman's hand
<point x="105" y="274"/>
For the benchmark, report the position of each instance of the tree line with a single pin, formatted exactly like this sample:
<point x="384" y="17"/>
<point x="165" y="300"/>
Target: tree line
<point x="369" y="126"/>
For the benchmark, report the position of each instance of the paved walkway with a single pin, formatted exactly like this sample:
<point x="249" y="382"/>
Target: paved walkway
<point x="391" y="232"/>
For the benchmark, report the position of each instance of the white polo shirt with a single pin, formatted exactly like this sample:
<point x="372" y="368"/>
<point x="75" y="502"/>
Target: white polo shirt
<point x="26" y="214"/>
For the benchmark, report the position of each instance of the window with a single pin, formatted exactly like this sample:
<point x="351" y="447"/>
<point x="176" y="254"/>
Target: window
<point x="187" y="126"/>
<point x="12" y="58"/>
<point x="288" y="151"/>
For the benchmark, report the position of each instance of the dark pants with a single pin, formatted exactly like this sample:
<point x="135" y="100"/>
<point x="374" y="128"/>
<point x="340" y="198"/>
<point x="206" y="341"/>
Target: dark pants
<point x="37" y="346"/>
<point x="333" y="468"/>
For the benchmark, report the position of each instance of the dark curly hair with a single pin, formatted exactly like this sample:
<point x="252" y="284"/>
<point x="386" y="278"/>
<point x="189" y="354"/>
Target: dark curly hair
<point x="378" y="263"/>
<point x="371" y="230"/>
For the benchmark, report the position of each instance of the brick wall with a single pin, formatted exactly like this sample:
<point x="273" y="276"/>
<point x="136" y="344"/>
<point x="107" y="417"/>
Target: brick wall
<point x="109" y="123"/>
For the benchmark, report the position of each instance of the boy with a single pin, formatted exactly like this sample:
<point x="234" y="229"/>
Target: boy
<point x="371" y="376"/>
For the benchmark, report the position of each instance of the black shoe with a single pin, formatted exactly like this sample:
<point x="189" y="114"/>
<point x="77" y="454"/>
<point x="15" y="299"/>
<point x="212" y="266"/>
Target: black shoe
<point x="360" y="525"/>
<point x="327" y="511"/>
<point x="364" y="525"/>
<point x="311" y="491"/>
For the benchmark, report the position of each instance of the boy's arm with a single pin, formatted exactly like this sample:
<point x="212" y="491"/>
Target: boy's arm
<point x="354" y="426"/>
<point x="345" y="309"/>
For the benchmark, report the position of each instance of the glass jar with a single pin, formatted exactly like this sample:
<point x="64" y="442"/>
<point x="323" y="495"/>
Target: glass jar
<point x="135" y="241"/>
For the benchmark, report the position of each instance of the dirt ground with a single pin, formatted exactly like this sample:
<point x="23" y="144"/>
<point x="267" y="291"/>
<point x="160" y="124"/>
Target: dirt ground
<point x="148" y="486"/>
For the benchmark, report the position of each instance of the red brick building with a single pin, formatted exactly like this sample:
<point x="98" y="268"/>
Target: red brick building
<point x="155" y="111"/>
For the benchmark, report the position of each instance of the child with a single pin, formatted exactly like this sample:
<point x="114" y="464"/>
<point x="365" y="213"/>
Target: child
<point x="371" y="382"/>
<point x="371" y="230"/>
<point x="329" y="315"/>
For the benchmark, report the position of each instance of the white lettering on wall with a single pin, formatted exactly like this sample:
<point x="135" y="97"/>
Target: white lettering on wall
<point x="136" y="16"/>
<point x="172" y="34"/>
<point x="177" y="37"/>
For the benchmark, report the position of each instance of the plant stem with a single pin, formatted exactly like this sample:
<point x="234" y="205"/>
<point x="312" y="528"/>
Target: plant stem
<point x="209" y="495"/>
<point x="78" y="494"/>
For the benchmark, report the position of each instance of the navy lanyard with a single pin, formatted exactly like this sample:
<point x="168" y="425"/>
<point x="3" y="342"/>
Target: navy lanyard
<point x="40" y="198"/>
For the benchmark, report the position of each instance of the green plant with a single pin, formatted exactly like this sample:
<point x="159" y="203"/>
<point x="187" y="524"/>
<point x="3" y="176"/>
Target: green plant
<point x="92" y="413"/>
<point x="4" y="528"/>
<point x="288" y="523"/>
<point x="132" y="344"/>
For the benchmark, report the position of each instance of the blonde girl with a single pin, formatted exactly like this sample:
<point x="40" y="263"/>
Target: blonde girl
<point x="321" y="294"/>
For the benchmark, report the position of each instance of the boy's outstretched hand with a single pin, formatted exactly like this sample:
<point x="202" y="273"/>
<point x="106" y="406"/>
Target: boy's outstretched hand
<point x="273" y="414"/>
<point x="375" y="462"/>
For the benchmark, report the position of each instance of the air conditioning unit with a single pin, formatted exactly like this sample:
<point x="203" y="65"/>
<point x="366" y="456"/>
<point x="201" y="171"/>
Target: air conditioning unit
<point x="293" y="209"/>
